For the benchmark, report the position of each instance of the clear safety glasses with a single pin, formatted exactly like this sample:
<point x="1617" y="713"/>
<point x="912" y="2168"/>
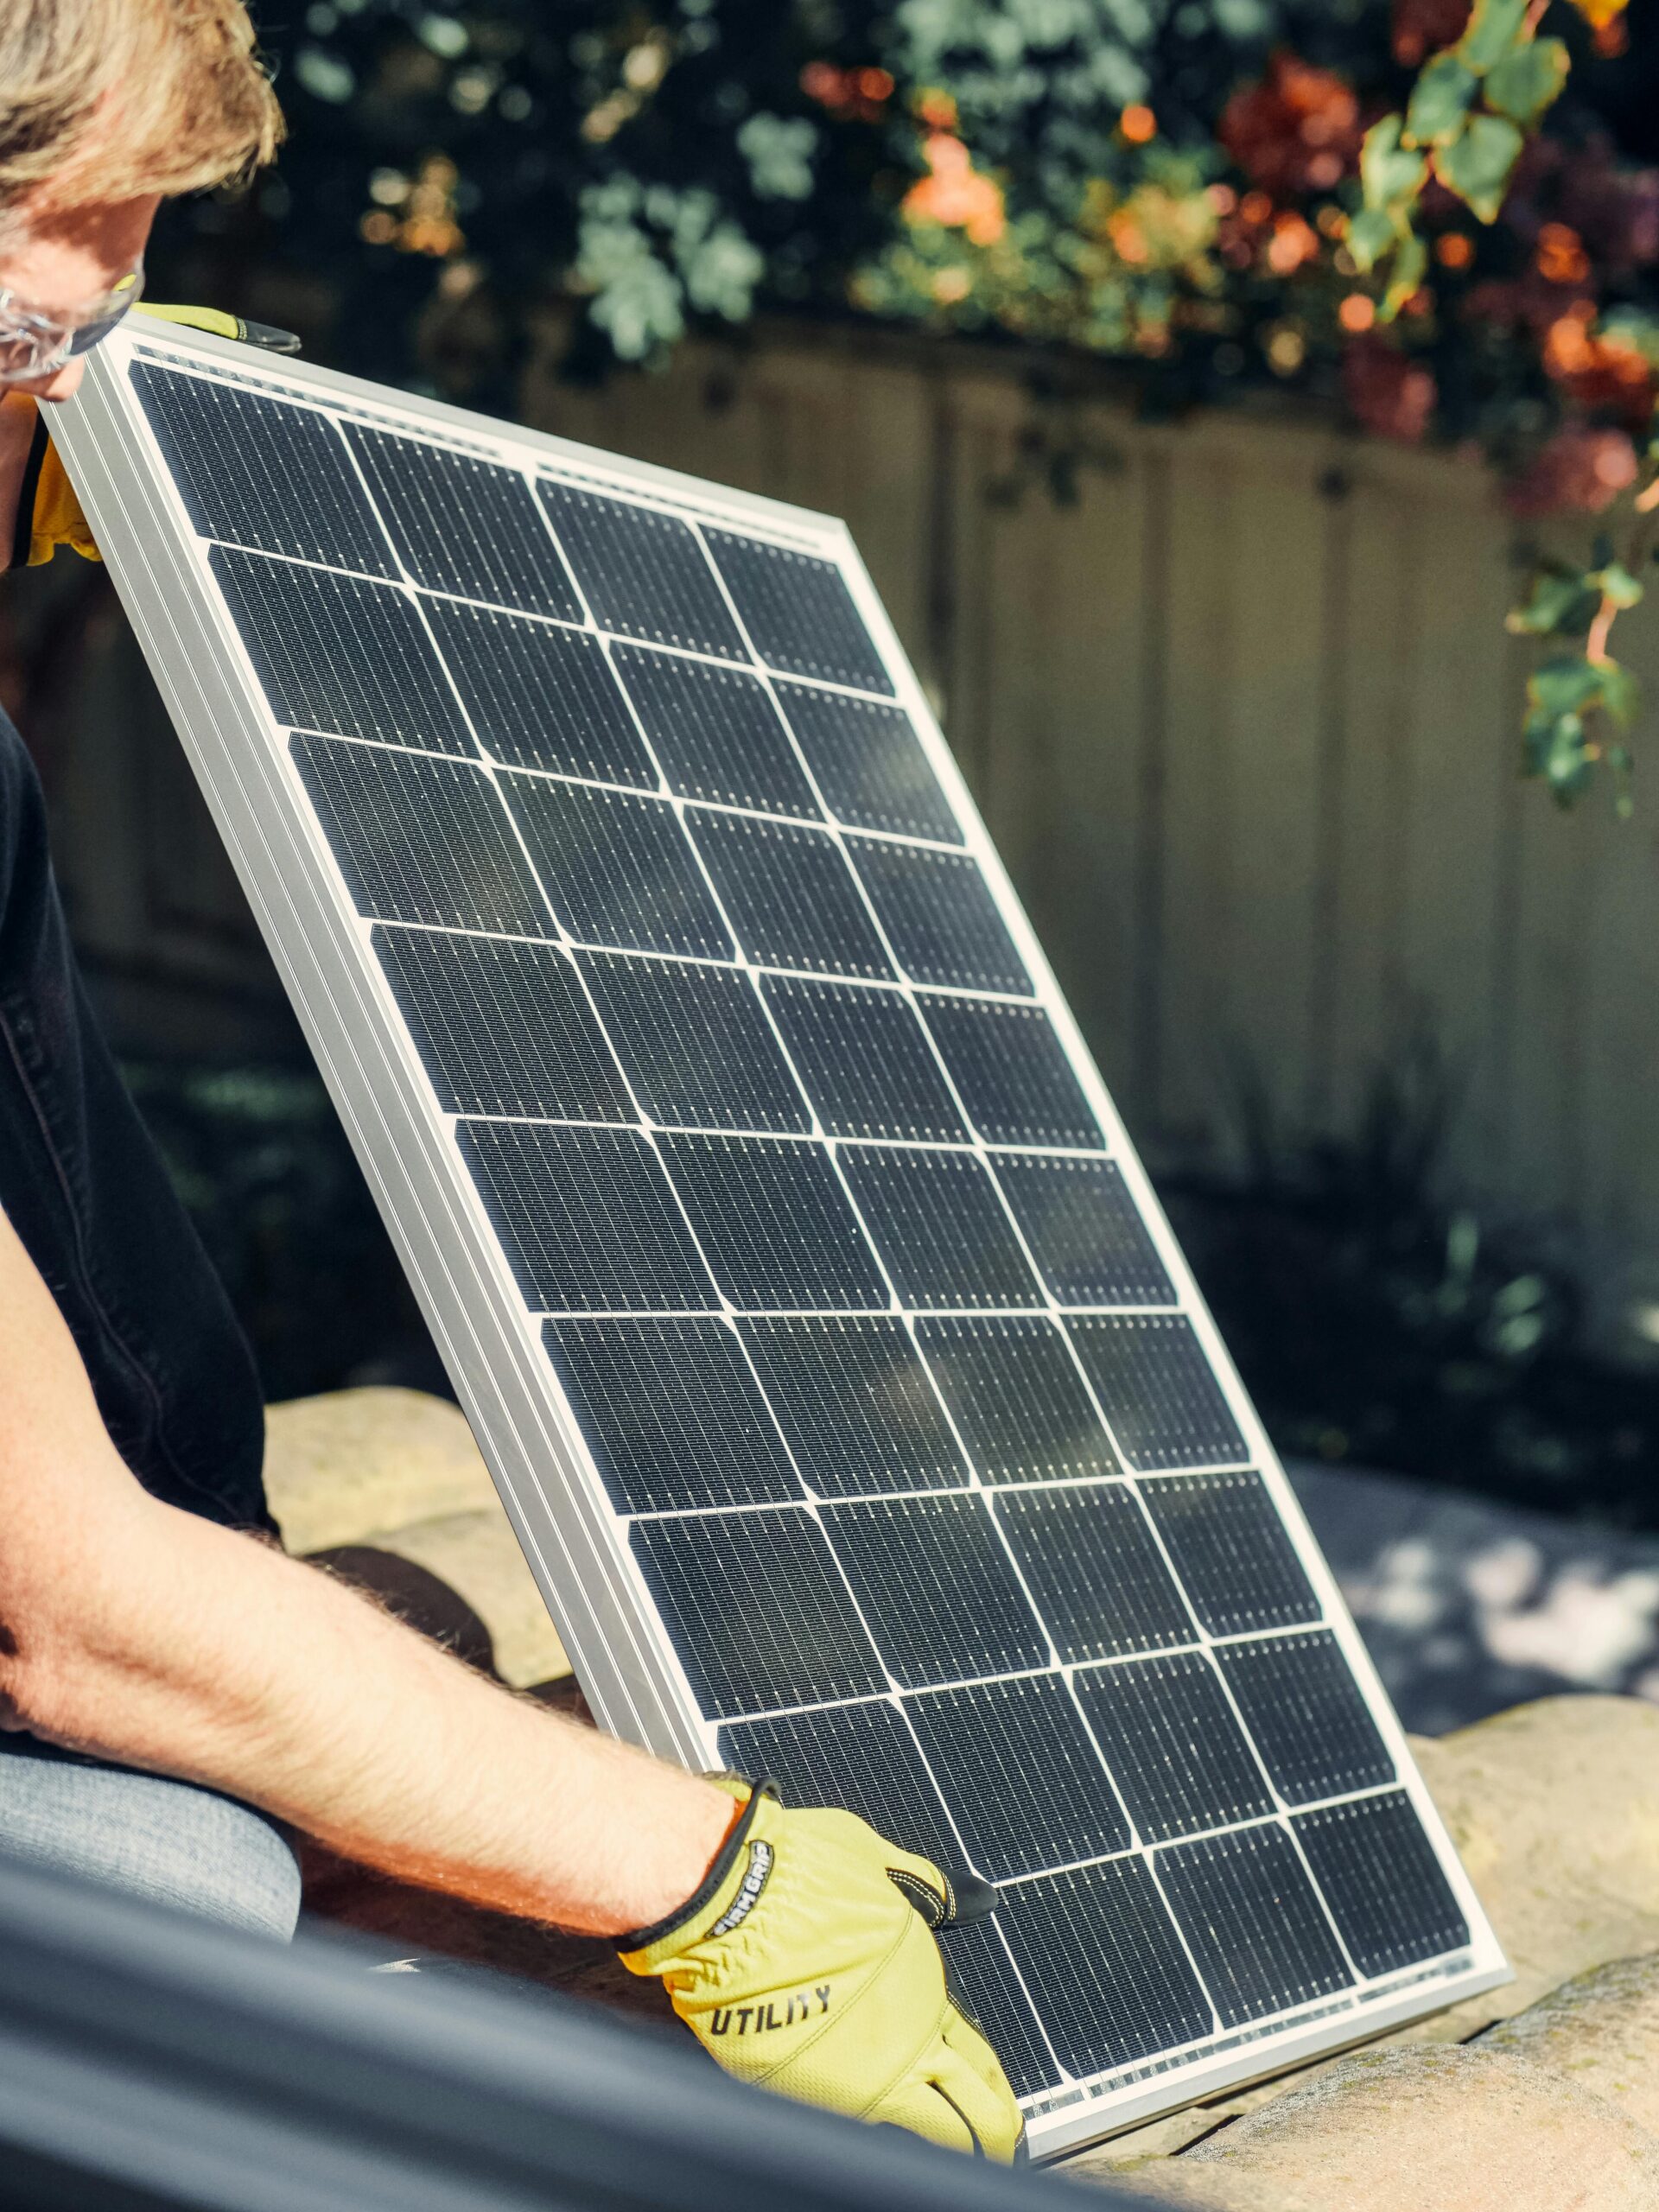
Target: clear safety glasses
<point x="33" y="346"/>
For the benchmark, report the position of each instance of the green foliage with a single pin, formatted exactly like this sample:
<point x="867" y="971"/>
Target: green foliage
<point x="1581" y="701"/>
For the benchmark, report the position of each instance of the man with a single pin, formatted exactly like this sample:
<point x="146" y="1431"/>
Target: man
<point x="173" y="1691"/>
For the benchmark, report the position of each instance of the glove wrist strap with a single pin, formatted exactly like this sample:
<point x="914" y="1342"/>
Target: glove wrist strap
<point x="708" y="1891"/>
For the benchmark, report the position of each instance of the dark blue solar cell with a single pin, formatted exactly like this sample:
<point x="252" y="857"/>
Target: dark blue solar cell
<point x="861" y="1757"/>
<point x="1113" y="1980"/>
<point x="1014" y="1391"/>
<point x="502" y="1027"/>
<point x="936" y="1588"/>
<point x="1012" y="1071"/>
<point x="1084" y="1230"/>
<point x="419" y="840"/>
<point x="1174" y="1748"/>
<point x="788" y="894"/>
<point x="868" y="761"/>
<point x="1020" y="1772"/>
<point x="1250" y="1914"/>
<point x="1382" y="1881"/>
<point x="986" y="1987"/>
<point x="335" y="653"/>
<point x="864" y="1059"/>
<point x="856" y="1403"/>
<point x="463" y="524"/>
<point x="1232" y="1552"/>
<point x="642" y="572"/>
<point x="775" y="1224"/>
<point x="756" y="1610"/>
<point x="670" y="1412"/>
<point x="939" y="916"/>
<point x="618" y="869"/>
<point x="539" y="696"/>
<point x="939" y="1227"/>
<point x="1307" y="1714"/>
<point x="798" y="613"/>
<point x="255" y="472"/>
<point x="586" y="1219"/>
<point x="698" y="1049"/>
<point x="716" y="731"/>
<point x="1093" y="1569"/>
<point x="1158" y="1392"/>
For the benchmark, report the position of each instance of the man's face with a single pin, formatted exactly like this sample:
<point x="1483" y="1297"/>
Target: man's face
<point x="57" y="261"/>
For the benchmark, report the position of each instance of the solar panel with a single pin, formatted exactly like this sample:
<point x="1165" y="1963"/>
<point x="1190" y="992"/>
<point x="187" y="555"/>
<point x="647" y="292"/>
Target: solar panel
<point x="849" y="1394"/>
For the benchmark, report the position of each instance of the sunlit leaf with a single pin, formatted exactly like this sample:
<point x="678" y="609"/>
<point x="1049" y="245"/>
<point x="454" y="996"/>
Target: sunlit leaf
<point x="1371" y="234"/>
<point x="1477" y="166"/>
<point x="1565" y="686"/>
<point x="1389" y="174"/>
<point x="1440" y="101"/>
<point x="1528" y="80"/>
<point x="1410" y="267"/>
<point x="1621" y="693"/>
<point x="1493" y="29"/>
<point x="1615" y="583"/>
<point x="1562" y="602"/>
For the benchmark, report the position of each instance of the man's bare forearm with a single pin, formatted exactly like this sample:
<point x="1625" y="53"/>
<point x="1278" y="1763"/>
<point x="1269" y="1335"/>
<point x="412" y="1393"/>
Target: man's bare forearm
<point x="146" y="1634"/>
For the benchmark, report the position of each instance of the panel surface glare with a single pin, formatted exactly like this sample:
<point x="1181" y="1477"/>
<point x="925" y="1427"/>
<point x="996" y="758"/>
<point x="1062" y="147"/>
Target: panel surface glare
<point x="881" y="1433"/>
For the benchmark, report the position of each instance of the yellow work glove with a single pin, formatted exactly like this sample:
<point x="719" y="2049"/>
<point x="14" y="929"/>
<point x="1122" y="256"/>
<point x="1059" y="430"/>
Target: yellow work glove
<point x="48" y="513"/>
<point x="806" y="1964"/>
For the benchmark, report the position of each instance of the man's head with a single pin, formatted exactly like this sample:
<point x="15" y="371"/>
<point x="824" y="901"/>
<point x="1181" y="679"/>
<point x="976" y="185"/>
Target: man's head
<point x="106" y="107"/>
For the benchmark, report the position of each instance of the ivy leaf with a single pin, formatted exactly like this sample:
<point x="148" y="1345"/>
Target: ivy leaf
<point x="1370" y="235"/>
<point x="1410" y="267"/>
<point x="1556" y="750"/>
<point x="1565" y="686"/>
<point x="1615" y="582"/>
<point x="1621" y="694"/>
<point x="1527" y="79"/>
<point x="1440" y="101"/>
<point x="1477" y="166"/>
<point x="1563" y="601"/>
<point x="1389" y="174"/>
<point x="1493" y="27"/>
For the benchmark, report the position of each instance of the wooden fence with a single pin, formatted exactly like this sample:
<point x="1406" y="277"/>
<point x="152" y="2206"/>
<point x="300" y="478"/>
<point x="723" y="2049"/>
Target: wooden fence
<point x="1243" y="720"/>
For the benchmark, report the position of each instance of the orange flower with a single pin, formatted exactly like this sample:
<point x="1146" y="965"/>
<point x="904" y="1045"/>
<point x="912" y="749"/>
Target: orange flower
<point x="955" y="194"/>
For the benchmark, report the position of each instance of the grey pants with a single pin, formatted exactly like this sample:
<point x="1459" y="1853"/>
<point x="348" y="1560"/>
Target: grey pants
<point x="168" y="1842"/>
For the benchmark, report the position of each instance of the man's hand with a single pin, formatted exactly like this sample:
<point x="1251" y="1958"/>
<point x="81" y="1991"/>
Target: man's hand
<point x="806" y="1963"/>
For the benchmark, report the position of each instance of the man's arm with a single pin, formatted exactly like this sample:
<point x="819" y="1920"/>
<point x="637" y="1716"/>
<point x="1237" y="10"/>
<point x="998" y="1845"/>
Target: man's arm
<point x="131" y="1630"/>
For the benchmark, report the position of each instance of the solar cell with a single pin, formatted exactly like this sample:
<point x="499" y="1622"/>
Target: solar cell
<point x="809" y="1313"/>
<point x="1017" y="1397"/>
<point x="939" y="1227"/>
<point x="788" y="893"/>
<point x="939" y="916"/>
<point x="868" y="761"/>
<point x="339" y="654"/>
<point x="864" y="1059"/>
<point x="715" y="732"/>
<point x="1261" y="1940"/>
<point x="419" y="840"/>
<point x="1084" y="1230"/>
<point x="618" y="869"/>
<point x="698" y="1049"/>
<point x="937" y="1588"/>
<point x="1231" y="1550"/>
<point x="584" y="1218"/>
<point x="252" y="471"/>
<point x="1158" y="1391"/>
<point x="549" y="1061"/>
<point x="856" y="1403"/>
<point x="757" y="1609"/>
<point x="1093" y="1569"/>
<point x="799" y="612"/>
<point x="775" y="1224"/>
<point x="1386" y="1888"/>
<point x="641" y="572"/>
<point x="671" y="1412"/>
<point x="1011" y="1070"/>
<point x="1175" y="1752"/>
<point x="463" y="524"/>
<point x="1020" y="1771"/>
<point x="539" y="696"/>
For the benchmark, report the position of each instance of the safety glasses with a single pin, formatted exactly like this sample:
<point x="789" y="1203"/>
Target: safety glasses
<point x="33" y="346"/>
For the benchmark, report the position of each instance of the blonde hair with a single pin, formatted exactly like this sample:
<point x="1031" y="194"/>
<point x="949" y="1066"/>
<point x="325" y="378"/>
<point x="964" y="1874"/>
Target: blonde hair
<point x="113" y="98"/>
